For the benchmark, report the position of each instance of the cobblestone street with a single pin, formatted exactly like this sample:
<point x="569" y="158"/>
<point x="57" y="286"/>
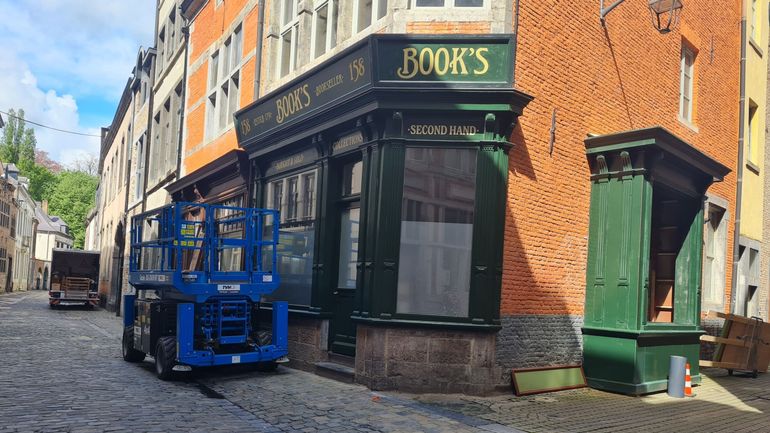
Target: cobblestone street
<point x="63" y="372"/>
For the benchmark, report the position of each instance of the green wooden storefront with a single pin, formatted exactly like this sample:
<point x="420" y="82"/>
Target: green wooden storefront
<point x="388" y="108"/>
<point x="643" y="276"/>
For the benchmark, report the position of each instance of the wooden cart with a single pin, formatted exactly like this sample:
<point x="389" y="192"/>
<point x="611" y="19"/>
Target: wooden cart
<point x="743" y="345"/>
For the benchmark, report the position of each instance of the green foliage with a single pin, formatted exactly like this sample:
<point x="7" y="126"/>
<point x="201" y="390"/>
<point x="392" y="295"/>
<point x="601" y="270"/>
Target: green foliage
<point x="18" y="142"/>
<point x="71" y="199"/>
<point x="42" y="181"/>
<point x="70" y="194"/>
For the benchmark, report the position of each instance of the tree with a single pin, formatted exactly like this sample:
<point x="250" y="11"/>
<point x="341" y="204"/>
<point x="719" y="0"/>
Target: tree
<point x="18" y="142"/>
<point x="71" y="199"/>
<point x="42" y="181"/>
<point x="87" y="164"/>
<point x="42" y="158"/>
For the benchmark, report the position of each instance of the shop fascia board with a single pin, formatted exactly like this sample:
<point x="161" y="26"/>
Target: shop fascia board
<point x="479" y="100"/>
<point x="496" y="81"/>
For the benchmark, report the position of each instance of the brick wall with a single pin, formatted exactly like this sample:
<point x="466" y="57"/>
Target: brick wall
<point x="211" y="27"/>
<point x="600" y="80"/>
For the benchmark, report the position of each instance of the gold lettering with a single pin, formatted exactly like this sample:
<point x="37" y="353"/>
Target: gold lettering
<point x="483" y="61"/>
<point x="410" y="67"/>
<point x="426" y="52"/>
<point x="441" y="52"/>
<point x="293" y="102"/>
<point x="457" y="59"/>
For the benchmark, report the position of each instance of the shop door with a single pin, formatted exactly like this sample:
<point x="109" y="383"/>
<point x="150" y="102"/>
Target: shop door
<point x="342" y="329"/>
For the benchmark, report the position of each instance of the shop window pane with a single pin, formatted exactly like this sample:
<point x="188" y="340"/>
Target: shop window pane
<point x="348" y="248"/>
<point x="436" y="233"/>
<point x="291" y="202"/>
<point x="351" y="178"/>
<point x="309" y="196"/>
<point x="277" y="199"/>
<point x="295" y="265"/>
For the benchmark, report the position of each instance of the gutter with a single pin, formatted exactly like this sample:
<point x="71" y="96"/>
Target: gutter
<point x="739" y="182"/>
<point x="183" y="104"/>
<point x="258" y="54"/>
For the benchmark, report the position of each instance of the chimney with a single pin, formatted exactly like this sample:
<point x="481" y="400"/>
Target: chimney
<point x="45" y="206"/>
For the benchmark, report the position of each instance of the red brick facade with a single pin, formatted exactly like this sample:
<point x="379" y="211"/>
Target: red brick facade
<point x="601" y="80"/>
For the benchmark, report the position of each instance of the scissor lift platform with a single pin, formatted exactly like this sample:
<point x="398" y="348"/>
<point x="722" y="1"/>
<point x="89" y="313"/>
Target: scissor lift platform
<point x="200" y="272"/>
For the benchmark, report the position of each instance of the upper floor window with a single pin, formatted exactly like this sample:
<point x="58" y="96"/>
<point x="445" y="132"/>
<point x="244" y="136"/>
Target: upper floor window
<point x="287" y="46"/>
<point x="139" y="174"/>
<point x="224" y="84"/>
<point x="752" y="142"/>
<point x="161" y="50"/>
<point x="686" y="83"/>
<point x="324" y="27"/>
<point x="449" y="3"/>
<point x="365" y="12"/>
<point x="755" y="20"/>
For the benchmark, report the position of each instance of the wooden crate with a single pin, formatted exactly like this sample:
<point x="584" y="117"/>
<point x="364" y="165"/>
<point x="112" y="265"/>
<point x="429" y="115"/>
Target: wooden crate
<point x="744" y="344"/>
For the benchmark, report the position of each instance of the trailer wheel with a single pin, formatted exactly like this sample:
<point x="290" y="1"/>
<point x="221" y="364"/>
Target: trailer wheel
<point x="165" y="357"/>
<point x="129" y="353"/>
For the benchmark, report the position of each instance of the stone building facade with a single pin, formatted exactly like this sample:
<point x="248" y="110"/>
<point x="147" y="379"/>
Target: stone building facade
<point x="8" y="211"/>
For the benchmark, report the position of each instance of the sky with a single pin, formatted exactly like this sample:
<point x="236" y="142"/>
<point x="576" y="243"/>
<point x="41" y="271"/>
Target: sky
<point x="66" y="62"/>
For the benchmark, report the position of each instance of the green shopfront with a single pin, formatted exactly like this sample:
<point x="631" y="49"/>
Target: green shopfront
<point x="389" y="166"/>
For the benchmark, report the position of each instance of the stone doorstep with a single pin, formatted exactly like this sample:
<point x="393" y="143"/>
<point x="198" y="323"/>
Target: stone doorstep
<point x="335" y="371"/>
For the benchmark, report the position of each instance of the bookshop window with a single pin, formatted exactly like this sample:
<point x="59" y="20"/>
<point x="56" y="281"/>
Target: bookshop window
<point x="294" y="197"/>
<point x="437" y="212"/>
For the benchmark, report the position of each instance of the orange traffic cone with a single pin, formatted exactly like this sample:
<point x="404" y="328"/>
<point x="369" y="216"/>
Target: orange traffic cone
<point x="687" y="381"/>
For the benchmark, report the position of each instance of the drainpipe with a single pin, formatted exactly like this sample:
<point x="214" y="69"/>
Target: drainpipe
<point x="183" y="104"/>
<point x="258" y="54"/>
<point x="739" y="189"/>
<point x="515" y="37"/>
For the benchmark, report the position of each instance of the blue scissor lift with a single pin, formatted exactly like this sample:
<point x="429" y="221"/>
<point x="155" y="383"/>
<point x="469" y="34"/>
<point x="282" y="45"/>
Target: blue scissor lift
<point x="200" y="272"/>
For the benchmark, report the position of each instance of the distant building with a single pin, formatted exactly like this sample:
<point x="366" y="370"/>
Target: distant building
<point x="26" y="225"/>
<point x="7" y="228"/>
<point x="52" y="232"/>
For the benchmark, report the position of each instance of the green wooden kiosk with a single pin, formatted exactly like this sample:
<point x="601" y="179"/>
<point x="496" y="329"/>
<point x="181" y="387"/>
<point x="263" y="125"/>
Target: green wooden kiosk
<point x="643" y="276"/>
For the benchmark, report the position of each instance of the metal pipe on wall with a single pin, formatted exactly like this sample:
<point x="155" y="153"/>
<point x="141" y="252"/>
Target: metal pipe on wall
<point x="739" y="181"/>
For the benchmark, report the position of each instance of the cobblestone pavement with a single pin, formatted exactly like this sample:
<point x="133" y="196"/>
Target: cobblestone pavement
<point x="62" y="371"/>
<point x="721" y="404"/>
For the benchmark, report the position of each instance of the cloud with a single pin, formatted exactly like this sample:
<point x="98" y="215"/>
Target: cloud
<point x="19" y="89"/>
<point x="56" y="52"/>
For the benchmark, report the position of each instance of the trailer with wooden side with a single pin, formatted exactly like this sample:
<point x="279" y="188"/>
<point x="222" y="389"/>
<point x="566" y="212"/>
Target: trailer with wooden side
<point x="74" y="276"/>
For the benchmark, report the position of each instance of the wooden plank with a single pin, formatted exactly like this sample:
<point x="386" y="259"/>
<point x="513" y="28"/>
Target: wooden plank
<point x="727" y="316"/>
<point x="730" y="365"/>
<point x="730" y="341"/>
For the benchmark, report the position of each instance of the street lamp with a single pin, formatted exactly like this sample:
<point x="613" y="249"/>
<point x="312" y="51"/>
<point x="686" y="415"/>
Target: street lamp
<point x="664" y="13"/>
<point x="659" y="9"/>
